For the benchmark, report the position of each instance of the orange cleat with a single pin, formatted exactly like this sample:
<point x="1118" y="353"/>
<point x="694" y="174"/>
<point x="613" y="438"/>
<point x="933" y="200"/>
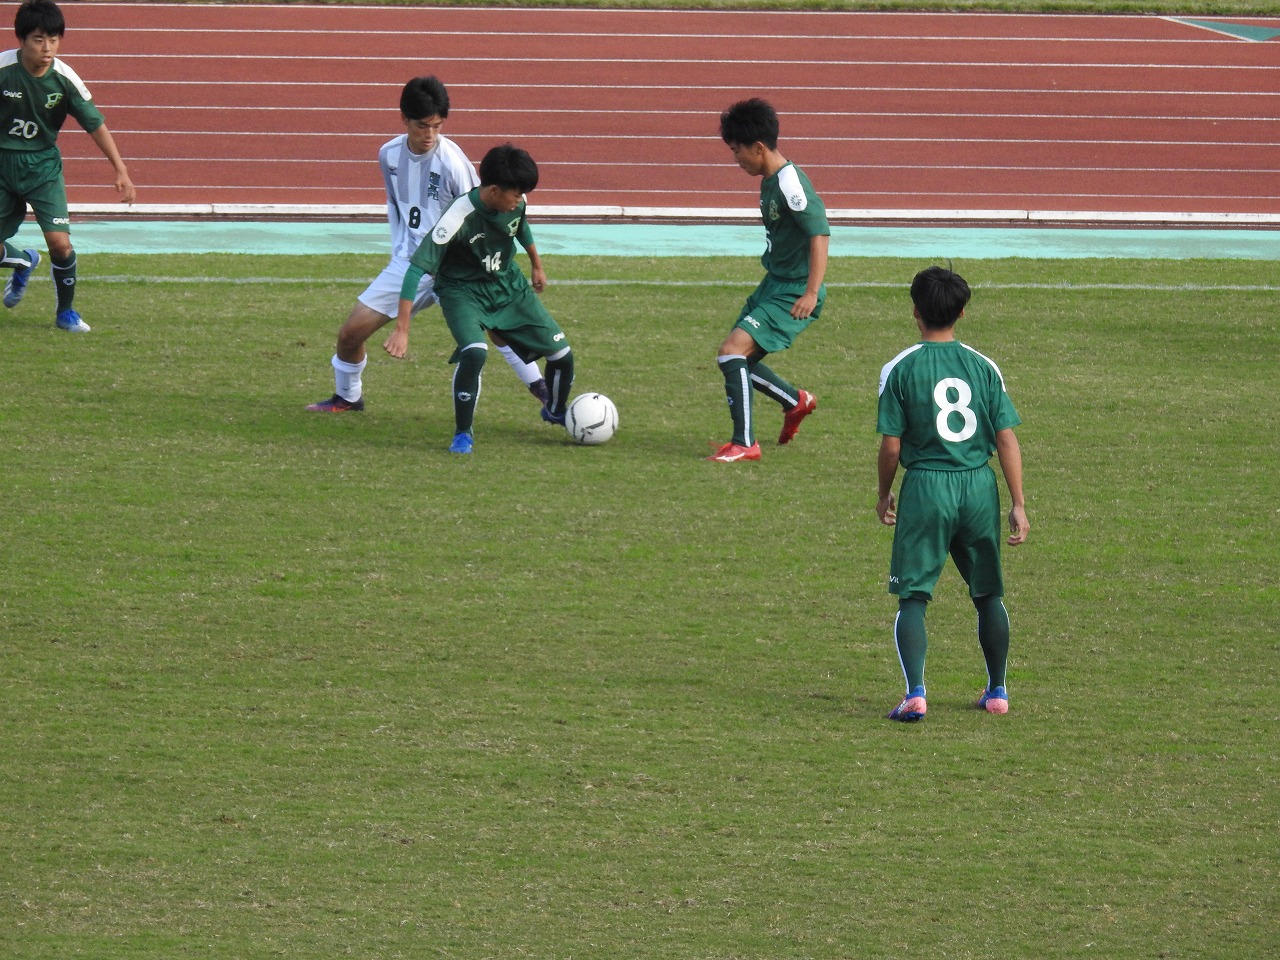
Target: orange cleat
<point x="733" y="452"/>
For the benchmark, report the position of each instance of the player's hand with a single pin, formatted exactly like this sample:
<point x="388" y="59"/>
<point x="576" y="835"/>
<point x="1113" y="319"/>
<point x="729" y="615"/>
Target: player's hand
<point x="886" y="509"/>
<point x="538" y="279"/>
<point x="124" y="187"/>
<point x="1019" y="526"/>
<point x="397" y="344"/>
<point x="804" y="307"/>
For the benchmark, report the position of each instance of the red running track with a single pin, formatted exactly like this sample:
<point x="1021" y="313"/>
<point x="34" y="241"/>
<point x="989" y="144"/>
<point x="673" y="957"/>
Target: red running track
<point x="892" y="115"/>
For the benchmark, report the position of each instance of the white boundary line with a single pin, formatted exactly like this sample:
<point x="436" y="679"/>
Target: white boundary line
<point x="624" y="282"/>
<point x="339" y="212"/>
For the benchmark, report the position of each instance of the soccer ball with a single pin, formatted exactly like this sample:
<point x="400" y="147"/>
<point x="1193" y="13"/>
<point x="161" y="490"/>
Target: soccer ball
<point x="591" y="418"/>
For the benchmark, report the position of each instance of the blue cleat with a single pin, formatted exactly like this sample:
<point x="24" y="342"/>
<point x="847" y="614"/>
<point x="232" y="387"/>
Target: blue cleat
<point x="70" y="321"/>
<point x="16" y="285"/>
<point x="462" y="443"/>
<point x="912" y="707"/>
<point x="556" y="418"/>
<point x="994" y="700"/>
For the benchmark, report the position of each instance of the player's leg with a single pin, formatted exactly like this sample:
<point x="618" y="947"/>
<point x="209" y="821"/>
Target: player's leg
<point x="465" y="312"/>
<point x="773" y="329"/>
<point x="373" y="309"/>
<point x="13" y="210"/>
<point x="912" y="641"/>
<point x="46" y="192"/>
<point x="526" y="325"/>
<point x="62" y="267"/>
<point x="734" y="365"/>
<point x="349" y="360"/>
<point x="920" y="546"/>
<point x="559" y="385"/>
<point x="976" y="552"/>
<point x="22" y="263"/>
<point x="528" y="373"/>
<point x="993" y="637"/>
<point x="795" y="402"/>
<point x="466" y="393"/>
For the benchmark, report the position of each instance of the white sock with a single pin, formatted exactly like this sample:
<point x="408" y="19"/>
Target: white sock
<point x="527" y="372"/>
<point x="346" y="378"/>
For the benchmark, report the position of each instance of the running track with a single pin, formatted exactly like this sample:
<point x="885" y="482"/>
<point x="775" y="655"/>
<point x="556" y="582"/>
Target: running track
<point x="244" y="109"/>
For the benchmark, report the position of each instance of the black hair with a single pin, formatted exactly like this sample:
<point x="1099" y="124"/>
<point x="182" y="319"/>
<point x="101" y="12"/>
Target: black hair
<point x="510" y="168"/>
<point x="750" y="121"/>
<point x="940" y="296"/>
<point x="424" y="97"/>
<point x="42" y="15"/>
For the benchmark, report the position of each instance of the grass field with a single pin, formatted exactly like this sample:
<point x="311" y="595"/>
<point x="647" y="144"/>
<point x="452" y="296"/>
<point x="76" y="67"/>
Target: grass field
<point x="285" y="685"/>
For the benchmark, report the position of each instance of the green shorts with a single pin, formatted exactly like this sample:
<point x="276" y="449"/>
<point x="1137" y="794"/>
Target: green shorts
<point x="945" y="513"/>
<point x="767" y="313"/>
<point x="518" y="315"/>
<point x="36" y="179"/>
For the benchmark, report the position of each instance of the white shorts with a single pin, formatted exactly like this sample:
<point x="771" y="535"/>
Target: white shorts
<point x="383" y="294"/>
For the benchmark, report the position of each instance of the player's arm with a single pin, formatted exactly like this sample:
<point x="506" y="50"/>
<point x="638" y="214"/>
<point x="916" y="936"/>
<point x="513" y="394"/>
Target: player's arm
<point x="887" y="469"/>
<point x="1010" y="454"/>
<point x="106" y="143"/>
<point x="537" y="276"/>
<point x="397" y="342"/>
<point x="818" y="250"/>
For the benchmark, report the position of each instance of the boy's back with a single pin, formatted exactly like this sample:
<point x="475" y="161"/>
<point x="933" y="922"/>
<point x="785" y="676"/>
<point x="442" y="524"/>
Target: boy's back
<point x="946" y="402"/>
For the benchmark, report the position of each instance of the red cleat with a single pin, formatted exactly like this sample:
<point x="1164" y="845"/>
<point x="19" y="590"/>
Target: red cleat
<point x="733" y="452"/>
<point x="791" y="422"/>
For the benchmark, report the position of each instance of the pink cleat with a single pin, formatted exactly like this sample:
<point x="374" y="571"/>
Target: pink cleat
<point x="912" y="707"/>
<point x="994" y="700"/>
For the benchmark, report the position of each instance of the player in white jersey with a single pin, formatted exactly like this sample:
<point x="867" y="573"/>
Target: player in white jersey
<point x="423" y="172"/>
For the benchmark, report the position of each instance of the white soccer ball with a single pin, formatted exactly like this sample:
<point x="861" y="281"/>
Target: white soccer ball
<point x="591" y="418"/>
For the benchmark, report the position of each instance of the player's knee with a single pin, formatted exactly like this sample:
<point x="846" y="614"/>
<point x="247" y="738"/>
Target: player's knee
<point x="60" y="250"/>
<point x="473" y="356"/>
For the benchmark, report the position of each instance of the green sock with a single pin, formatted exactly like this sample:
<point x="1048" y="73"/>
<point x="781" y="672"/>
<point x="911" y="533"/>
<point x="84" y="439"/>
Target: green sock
<point x="993" y="636"/>
<point x="64" y="283"/>
<point x="769" y="383"/>
<point x="14" y="258"/>
<point x="737" y="388"/>
<point x="912" y="641"/>
<point x="466" y="387"/>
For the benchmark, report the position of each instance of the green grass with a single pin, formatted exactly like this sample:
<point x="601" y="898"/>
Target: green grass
<point x="285" y="685"/>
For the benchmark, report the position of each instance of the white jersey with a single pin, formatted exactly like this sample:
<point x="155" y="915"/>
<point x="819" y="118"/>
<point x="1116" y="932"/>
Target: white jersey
<point x="420" y="188"/>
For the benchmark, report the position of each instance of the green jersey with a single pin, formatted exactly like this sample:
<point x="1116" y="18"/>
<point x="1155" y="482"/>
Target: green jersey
<point x="33" y="109"/>
<point x="793" y="214"/>
<point x="471" y="244"/>
<point x="946" y="402"/>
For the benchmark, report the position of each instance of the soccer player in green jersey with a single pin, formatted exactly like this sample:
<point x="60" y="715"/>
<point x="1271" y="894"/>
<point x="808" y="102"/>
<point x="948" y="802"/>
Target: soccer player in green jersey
<point x="943" y="412"/>
<point x="423" y="172"/>
<point x="37" y="92"/>
<point x="471" y="253"/>
<point x="790" y="296"/>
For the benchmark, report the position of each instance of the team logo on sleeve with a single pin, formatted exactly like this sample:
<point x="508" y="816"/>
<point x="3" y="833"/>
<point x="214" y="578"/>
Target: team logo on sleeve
<point x="52" y="100"/>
